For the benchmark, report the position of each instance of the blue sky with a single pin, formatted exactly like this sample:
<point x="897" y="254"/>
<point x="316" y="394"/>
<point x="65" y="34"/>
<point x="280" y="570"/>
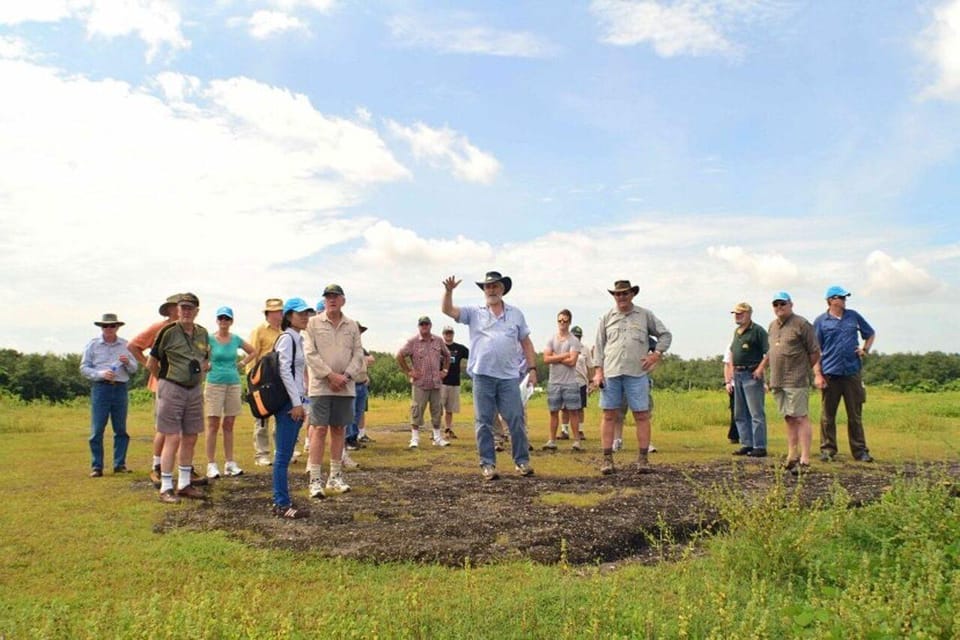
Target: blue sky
<point x="711" y="151"/>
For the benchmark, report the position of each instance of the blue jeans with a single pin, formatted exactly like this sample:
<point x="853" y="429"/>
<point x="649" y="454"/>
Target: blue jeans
<point x="108" y="401"/>
<point x="359" y="406"/>
<point x="748" y="409"/>
<point x="497" y="395"/>
<point x="285" y="438"/>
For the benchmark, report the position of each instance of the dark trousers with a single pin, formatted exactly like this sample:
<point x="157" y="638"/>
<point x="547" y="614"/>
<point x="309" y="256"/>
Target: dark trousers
<point x="850" y="388"/>
<point x="733" y="434"/>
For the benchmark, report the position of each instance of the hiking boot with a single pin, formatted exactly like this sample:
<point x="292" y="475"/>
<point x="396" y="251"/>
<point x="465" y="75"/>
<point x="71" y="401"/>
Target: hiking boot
<point x="827" y="456"/>
<point x="263" y="460"/>
<point x="550" y="446"/>
<point x="414" y="443"/>
<point x="96" y="473"/>
<point x="191" y="492"/>
<point x="618" y="444"/>
<point x="789" y="465"/>
<point x="348" y="462"/>
<point x="864" y="457"/>
<point x="757" y="452"/>
<point x="169" y="497"/>
<point x="231" y="469"/>
<point x="336" y="485"/>
<point x="367" y="439"/>
<point x="213" y="471"/>
<point x="743" y="451"/>
<point x="449" y="434"/>
<point x="155" y="476"/>
<point x="316" y="488"/>
<point x="489" y="472"/>
<point x="577" y="445"/>
<point x="290" y="512"/>
<point x="525" y="469"/>
<point x="351" y="446"/>
<point x="121" y="469"/>
<point x="651" y="448"/>
<point x="563" y="435"/>
<point x="440" y="442"/>
<point x="802" y="468"/>
<point x="606" y="467"/>
<point x="196" y="479"/>
<point x="642" y="463"/>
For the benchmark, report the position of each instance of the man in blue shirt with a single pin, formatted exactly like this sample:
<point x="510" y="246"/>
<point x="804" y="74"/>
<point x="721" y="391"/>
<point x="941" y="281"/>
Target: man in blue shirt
<point x="108" y="364"/>
<point x="839" y="331"/>
<point x="497" y="331"/>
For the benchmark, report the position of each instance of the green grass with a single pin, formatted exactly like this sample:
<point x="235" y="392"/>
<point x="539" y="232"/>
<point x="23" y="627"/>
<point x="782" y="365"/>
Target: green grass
<point x="79" y="557"/>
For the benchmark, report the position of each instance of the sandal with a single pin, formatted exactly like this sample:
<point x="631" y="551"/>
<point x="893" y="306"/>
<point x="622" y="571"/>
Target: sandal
<point x="290" y="512"/>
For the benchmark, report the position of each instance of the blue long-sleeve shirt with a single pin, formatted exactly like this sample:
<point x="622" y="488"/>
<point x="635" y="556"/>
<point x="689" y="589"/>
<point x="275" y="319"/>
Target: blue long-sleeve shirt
<point x="100" y="355"/>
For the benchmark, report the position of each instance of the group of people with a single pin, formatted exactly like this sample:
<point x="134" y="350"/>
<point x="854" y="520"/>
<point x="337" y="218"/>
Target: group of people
<point x="323" y="366"/>
<point x="791" y="348"/>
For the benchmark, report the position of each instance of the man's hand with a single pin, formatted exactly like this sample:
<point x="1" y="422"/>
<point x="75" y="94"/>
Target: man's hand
<point x="598" y="378"/>
<point x="108" y="375"/>
<point x="337" y="381"/>
<point x="651" y="360"/>
<point x="819" y="381"/>
<point x="297" y="413"/>
<point x="532" y="377"/>
<point x="451" y="283"/>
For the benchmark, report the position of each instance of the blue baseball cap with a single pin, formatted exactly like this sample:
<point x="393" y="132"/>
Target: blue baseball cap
<point x="225" y="311"/>
<point x="321" y="305"/>
<point x="295" y="304"/>
<point x="836" y="290"/>
<point x="782" y="295"/>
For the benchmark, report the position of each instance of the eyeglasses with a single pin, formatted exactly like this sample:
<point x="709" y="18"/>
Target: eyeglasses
<point x="560" y="321"/>
<point x="110" y="326"/>
<point x="780" y="303"/>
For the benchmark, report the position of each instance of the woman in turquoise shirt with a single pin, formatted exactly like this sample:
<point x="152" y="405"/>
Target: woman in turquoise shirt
<point x="221" y="396"/>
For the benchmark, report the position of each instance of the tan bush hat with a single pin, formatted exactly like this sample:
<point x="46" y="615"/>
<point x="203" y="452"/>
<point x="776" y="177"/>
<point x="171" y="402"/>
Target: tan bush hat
<point x="273" y="304"/>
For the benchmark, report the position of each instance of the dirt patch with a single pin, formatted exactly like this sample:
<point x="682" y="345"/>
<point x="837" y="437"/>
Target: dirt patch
<point x="420" y="515"/>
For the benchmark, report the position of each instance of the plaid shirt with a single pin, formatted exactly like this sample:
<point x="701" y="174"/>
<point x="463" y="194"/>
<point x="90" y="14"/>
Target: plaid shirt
<point x="427" y="355"/>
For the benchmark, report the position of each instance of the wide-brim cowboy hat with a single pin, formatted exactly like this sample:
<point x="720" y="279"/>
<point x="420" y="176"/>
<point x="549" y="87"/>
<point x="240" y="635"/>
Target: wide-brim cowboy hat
<point x="109" y="318"/>
<point x="170" y="302"/>
<point x="624" y="285"/>
<point x="494" y="276"/>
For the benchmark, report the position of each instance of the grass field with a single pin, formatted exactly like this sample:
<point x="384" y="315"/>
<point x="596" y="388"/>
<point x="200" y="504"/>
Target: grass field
<point x="79" y="557"/>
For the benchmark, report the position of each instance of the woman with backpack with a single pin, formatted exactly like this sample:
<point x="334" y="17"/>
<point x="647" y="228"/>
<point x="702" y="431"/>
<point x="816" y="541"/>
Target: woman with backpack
<point x="290" y="417"/>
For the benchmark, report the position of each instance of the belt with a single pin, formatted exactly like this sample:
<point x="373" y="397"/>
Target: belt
<point x="746" y="368"/>
<point x="110" y="382"/>
<point x="179" y="384"/>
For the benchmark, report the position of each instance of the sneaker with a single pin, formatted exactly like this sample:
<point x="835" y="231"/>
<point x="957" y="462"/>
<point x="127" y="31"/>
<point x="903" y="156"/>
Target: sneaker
<point x="641" y="464"/>
<point x="231" y="469"/>
<point x="289" y="512"/>
<point x="263" y="460"/>
<point x="414" y="443"/>
<point x="351" y="446"/>
<point x="348" y="462"/>
<point x="366" y="439"/>
<point x="440" y="442"/>
<point x="121" y="469"/>
<point x="489" y="472"/>
<point x="169" y="497"/>
<point x="316" y="488"/>
<point x="213" y="471"/>
<point x="606" y="467"/>
<point x="550" y="446"/>
<point x="191" y="492"/>
<point x="524" y="469"/>
<point x="758" y="452"/>
<point x="336" y="485"/>
<point x="563" y="435"/>
<point x="498" y="446"/>
<point x="155" y="476"/>
<point x="577" y="445"/>
<point x="196" y="479"/>
<point x="449" y="434"/>
<point x="618" y="444"/>
<point x="743" y="451"/>
<point x="651" y="448"/>
<point x="864" y="457"/>
<point x="96" y="473"/>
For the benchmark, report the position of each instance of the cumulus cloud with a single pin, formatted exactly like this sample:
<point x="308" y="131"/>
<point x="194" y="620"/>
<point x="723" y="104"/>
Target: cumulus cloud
<point x="266" y="24"/>
<point x="940" y="44"/>
<point x="438" y="35"/>
<point x="898" y="277"/>
<point x="448" y="149"/>
<point x="13" y="47"/>
<point x="156" y="22"/>
<point x="772" y="270"/>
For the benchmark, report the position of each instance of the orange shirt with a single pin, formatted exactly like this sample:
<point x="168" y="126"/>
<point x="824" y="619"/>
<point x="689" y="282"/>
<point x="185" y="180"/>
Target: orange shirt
<point x="144" y="340"/>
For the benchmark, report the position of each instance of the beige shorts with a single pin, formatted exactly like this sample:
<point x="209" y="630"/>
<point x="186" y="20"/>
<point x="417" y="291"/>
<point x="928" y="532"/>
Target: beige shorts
<point x="450" y="398"/>
<point x="792" y="402"/>
<point x="421" y="399"/>
<point x="179" y="409"/>
<point x="221" y="400"/>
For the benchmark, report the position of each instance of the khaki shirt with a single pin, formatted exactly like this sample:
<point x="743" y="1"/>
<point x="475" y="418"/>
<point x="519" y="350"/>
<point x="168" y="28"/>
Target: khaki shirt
<point x="332" y="349"/>
<point x="622" y="341"/>
<point x="792" y="343"/>
<point x="262" y="340"/>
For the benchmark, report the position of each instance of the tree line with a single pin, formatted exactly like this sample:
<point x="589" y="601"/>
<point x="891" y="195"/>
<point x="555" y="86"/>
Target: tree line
<point x="56" y="378"/>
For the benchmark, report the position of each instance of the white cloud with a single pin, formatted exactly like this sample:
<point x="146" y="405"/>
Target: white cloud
<point x="445" y="148"/>
<point x="266" y="24"/>
<point x="771" y="270"/>
<point x="898" y="278"/>
<point x="940" y="43"/>
<point x="156" y="22"/>
<point x="322" y="6"/>
<point x="13" y="47"/>
<point x="438" y="35"/>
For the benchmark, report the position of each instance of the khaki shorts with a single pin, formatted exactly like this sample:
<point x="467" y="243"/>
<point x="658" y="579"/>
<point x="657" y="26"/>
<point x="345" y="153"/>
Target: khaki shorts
<point x="221" y="400"/>
<point x="331" y="411"/>
<point x="179" y="409"/>
<point x="792" y="402"/>
<point x="421" y="399"/>
<point x="450" y="398"/>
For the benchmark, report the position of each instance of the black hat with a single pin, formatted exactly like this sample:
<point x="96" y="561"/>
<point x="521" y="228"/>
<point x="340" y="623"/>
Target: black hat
<point x="494" y="276"/>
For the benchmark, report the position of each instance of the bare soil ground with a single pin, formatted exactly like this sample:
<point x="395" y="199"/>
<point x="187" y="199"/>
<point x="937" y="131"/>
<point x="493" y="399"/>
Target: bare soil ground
<point x="422" y="515"/>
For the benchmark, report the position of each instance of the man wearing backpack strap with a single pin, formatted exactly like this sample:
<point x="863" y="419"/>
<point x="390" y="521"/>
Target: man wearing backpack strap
<point x="263" y="338"/>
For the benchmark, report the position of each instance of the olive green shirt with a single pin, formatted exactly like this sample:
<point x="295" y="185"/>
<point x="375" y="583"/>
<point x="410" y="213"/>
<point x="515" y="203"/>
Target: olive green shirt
<point x="749" y="347"/>
<point x="792" y="343"/>
<point x="175" y="350"/>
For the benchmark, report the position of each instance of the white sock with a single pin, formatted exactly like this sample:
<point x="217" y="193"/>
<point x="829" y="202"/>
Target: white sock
<point x="183" y="478"/>
<point x="156" y="461"/>
<point x="565" y="428"/>
<point x="335" y="467"/>
<point x="362" y="433"/>
<point x="316" y="472"/>
<point x="436" y="434"/>
<point x="166" y="482"/>
<point x="415" y="435"/>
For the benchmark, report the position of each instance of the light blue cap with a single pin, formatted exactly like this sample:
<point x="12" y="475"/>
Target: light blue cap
<point x="225" y="311"/>
<point x="295" y="304"/>
<point x="836" y="290"/>
<point x="782" y="295"/>
<point x="321" y="305"/>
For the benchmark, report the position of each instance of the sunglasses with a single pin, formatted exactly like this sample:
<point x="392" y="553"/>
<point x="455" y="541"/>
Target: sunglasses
<point x="425" y="324"/>
<point x="837" y="298"/>
<point x="563" y="322"/>
<point x="225" y="318"/>
<point x="780" y="303"/>
<point x="110" y="326"/>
